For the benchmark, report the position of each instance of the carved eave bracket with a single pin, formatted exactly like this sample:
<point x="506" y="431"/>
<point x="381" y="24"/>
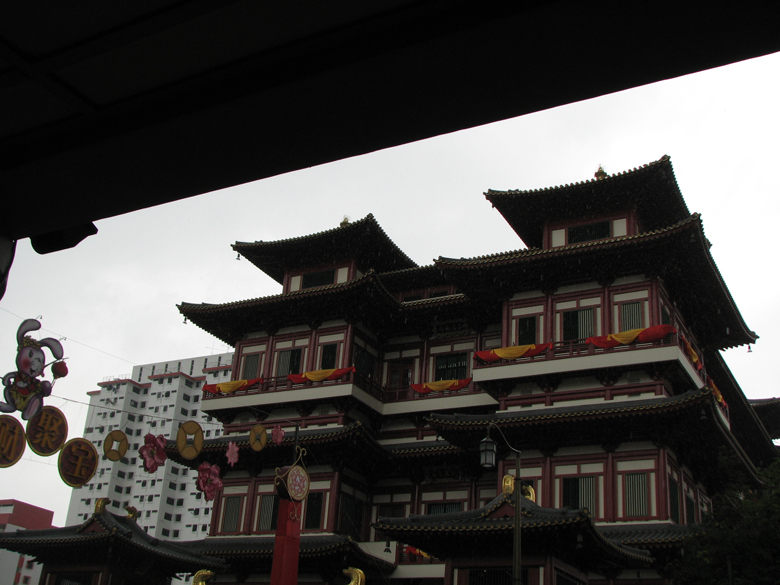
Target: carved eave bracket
<point x="608" y="376"/>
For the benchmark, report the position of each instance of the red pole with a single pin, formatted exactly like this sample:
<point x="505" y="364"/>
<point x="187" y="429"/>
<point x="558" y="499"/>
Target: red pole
<point x="287" y="544"/>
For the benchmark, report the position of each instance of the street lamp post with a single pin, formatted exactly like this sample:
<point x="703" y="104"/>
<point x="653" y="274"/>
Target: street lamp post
<point x="487" y="458"/>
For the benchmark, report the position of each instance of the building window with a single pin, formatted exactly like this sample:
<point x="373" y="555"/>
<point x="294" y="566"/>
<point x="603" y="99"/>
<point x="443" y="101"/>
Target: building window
<point x="289" y="362"/>
<point x="579" y="492"/>
<point x="451" y="366"/>
<point x="674" y="501"/>
<point x="328" y="358"/>
<point x="636" y="495"/>
<point x="690" y="510"/>
<point x="630" y="316"/>
<point x="351" y="516"/>
<point x="526" y="330"/>
<point x="589" y="232"/>
<point x="318" y="278"/>
<point x="365" y="362"/>
<point x="166" y="532"/>
<point x="167" y="516"/>
<point x="231" y="514"/>
<point x="251" y="365"/>
<point x="269" y="511"/>
<point x="313" y="520"/>
<point x="444" y="508"/>
<point x="577" y="324"/>
<point x="399" y="374"/>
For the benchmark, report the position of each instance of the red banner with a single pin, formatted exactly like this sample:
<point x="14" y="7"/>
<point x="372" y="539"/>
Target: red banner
<point x="508" y="353"/>
<point x="319" y="375"/>
<point x="440" y="386"/>
<point x="648" y="335"/>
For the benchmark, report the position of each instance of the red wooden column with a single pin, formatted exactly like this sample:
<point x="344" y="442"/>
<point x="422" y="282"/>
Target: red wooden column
<point x="287" y="544"/>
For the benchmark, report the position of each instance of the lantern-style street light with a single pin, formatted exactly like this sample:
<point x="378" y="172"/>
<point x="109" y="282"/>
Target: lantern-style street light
<point x="487" y="458"/>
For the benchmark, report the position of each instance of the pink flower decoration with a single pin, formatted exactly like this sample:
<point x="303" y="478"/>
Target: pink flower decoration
<point x="208" y="480"/>
<point x="277" y="434"/>
<point x="232" y="453"/>
<point x="153" y="452"/>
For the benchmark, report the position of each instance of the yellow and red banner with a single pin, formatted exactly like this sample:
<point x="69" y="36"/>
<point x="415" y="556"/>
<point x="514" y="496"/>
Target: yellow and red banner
<point x="511" y="353"/>
<point x="410" y="550"/>
<point x="440" y="386"/>
<point x="646" y="335"/>
<point x="319" y="375"/>
<point x="230" y="387"/>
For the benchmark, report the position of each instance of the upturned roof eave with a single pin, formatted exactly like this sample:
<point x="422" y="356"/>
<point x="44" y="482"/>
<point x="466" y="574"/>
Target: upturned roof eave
<point x="269" y="256"/>
<point x="527" y="211"/>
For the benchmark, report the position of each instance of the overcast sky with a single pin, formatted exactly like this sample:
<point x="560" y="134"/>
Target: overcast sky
<point x="113" y="296"/>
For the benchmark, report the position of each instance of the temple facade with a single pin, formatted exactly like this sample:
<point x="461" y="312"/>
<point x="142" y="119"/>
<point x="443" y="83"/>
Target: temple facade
<point x="594" y="352"/>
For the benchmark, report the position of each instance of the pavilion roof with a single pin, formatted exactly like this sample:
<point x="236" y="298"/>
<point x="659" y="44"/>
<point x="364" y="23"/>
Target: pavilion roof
<point x="364" y="240"/>
<point x="646" y="535"/>
<point x="103" y="532"/>
<point x="696" y="413"/>
<point x="315" y="551"/>
<point x="768" y="410"/>
<point x="230" y="321"/>
<point x="650" y="189"/>
<point x="679" y="254"/>
<point x="488" y="530"/>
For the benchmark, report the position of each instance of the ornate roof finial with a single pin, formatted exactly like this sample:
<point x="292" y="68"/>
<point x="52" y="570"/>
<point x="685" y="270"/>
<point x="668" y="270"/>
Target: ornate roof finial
<point x="344" y="222"/>
<point x="601" y="173"/>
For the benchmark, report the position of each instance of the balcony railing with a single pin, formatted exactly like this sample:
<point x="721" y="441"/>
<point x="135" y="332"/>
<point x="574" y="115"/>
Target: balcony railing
<point x="282" y="384"/>
<point x="579" y="348"/>
<point x="403" y="394"/>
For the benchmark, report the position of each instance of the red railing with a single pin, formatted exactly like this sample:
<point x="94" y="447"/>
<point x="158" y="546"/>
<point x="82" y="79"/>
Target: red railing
<point x="578" y="348"/>
<point x="282" y="384"/>
<point x="403" y="394"/>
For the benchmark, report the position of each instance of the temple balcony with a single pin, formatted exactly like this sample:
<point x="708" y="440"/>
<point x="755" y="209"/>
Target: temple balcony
<point x="578" y="356"/>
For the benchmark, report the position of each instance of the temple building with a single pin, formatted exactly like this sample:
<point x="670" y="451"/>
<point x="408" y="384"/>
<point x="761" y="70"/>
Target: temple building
<point x="595" y="352"/>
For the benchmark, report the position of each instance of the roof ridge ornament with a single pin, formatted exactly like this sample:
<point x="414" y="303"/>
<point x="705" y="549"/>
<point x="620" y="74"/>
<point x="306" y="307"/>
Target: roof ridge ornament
<point x="601" y="173"/>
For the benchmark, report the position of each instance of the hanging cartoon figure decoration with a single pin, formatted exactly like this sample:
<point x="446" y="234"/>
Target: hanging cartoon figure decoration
<point x="23" y="391"/>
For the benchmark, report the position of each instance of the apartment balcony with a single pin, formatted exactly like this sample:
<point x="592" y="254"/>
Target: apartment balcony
<point x="579" y="356"/>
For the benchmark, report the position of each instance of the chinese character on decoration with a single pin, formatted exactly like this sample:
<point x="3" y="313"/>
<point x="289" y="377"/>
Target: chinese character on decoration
<point x="47" y="431"/>
<point x="23" y="391"/>
<point x="78" y="462"/>
<point x="232" y="453"/>
<point x="11" y="440"/>
<point x="208" y="480"/>
<point x="153" y="452"/>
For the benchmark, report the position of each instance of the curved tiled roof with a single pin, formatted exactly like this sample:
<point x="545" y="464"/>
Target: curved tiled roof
<point x="312" y="548"/>
<point x="650" y="189"/>
<point x="364" y="240"/>
<point x="590" y="411"/>
<point x="646" y="535"/>
<point x="479" y="521"/>
<point x="83" y="541"/>
<point x="684" y="242"/>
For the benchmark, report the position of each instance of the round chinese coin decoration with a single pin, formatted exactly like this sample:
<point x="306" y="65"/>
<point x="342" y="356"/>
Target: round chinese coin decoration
<point x="115" y="445"/>
<point x="189" y="440"/>
<point x="12" y="441"/>
<point x="78" y="462"/>
<point x="258" y="437"/>
<point x="47" y="431"/>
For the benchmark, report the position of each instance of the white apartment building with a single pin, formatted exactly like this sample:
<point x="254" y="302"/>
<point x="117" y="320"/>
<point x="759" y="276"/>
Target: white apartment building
<point x="155" y="398"/>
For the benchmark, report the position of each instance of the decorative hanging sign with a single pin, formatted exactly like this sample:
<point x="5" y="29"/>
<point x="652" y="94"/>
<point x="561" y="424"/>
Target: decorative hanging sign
<point x="189" y="440"/>
<point x="292" y="483"/>
<point x="258" y="437"/>
<point x="78" y="462"/>
<point x="23" y="390"/>
<point x="12" y="441"/>
<point x="47" y="431"/>
<point x="115" y="445"/>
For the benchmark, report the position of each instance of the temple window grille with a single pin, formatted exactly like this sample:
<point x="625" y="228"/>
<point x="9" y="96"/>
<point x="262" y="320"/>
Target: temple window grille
<point x="579" y="492"/>
<point x="451" y="366"/>
<point x="589" y="232"/>
<point x="577" y="324"/>
<point x="269" y="510"/>
<point x="289" y="362"/>
<point x="630" y="316"/>
<point x="232" y="513"/>
<point x="636" y="495"/>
